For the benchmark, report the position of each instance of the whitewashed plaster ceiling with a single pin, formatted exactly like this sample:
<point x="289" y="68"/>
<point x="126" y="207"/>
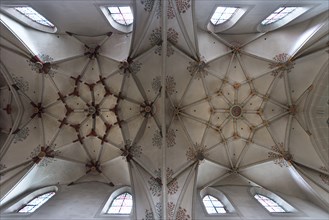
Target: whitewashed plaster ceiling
<point x="236" y="108"/>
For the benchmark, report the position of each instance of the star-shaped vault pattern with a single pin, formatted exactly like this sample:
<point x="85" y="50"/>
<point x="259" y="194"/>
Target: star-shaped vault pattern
<point x="204" y="112"/>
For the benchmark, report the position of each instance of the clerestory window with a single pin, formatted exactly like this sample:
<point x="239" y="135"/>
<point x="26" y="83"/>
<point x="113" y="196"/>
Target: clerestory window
<point x="36" y="202"/>
<point x="213" y="205"/>
<point x="122" y="204"/>
<point x="281" y="17"/>
<point x="269" y="204"/>
<point x="34" y="16"/>
<point x="122" y="15"/>
<point x="223" y="14"/>
<point x="278" y="14"/>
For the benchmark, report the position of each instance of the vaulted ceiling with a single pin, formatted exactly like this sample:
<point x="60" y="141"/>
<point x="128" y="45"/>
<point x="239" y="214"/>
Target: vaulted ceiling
<point x="238" y="107"/>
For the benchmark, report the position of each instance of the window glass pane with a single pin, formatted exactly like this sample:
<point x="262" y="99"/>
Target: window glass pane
<point x="262" y="202"/>
<point x="35" y="201"/>
<point x="125" y="10"/>
<point x="278" y="10"/>
<point x="25" y="209"/>
<point x="271" y="203"/>
<point x="230" y="10"/>
<point x="128" y="203"/>
<point x="220" y="10"/>
<point x="279" y="16"/>
<point x="125" y="210"/>
<point x="114" y="10"/>
<point x="289" y="9"/>
<point x="217" y="203"/>
<point x="206" y="198"/>
<point x="114" y="210"/>
<point x="128" y="16"/>
<point x="271" y="16"/>
<point x="226" y="16"/>
<point x="33" y="208"/>
<point x="211" y="210"/>
<point x="129" y="21"/>
<point x="214" y="21"/>
<point x="216" y="16"/>
<point x="117" y="202"/>
<point x="278" y="209"/>
<point x="117" y="17"/>
<point x="207" y="203"/>
<point x="220" y="210"/>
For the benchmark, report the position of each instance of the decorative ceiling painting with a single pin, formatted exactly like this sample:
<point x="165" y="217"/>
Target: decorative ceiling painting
<point x="210" y="107"/>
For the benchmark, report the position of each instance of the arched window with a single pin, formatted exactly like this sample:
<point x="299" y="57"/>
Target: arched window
<point x="280" y="17"/>
<point x="34" y="16"/>
<point x="224" y="18"/>
<point x="278" y="14"/>
<point x="268" y="203"/>
<point x="35" y="203"/>
<point x="122" y="15"/>
<point x="222" y="14"/>
<point x="213" y="205"/>
<point x="27" y="16"/>
<point x="122" y="204"/>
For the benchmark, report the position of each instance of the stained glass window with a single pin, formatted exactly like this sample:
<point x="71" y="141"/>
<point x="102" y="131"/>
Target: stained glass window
<point x="34" y="16"/>
<point x="35" y="203"/>
<point x="269" y="204"/>
<point x="122" y="204"/>
<point x="213" y="205"/>
<point x="122" y="15"/>
<point x="279" y="14"/>
<point x="222" y="14"/>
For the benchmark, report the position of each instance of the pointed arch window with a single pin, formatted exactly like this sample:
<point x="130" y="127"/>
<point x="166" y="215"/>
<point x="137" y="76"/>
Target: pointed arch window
<point x="269" y="204"/>
<point x="36" y="202"/>
<point x="122" y="204"/>
<point x="213" y="205"/>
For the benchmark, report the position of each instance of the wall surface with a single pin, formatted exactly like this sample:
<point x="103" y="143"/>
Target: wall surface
<point x="246" y="207"/>
<point x="86" y="200"/>
<point x="80" y="201"/>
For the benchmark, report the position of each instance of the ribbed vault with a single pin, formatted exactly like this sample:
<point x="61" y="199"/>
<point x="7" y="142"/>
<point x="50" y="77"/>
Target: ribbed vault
<point x="208" y="110"/>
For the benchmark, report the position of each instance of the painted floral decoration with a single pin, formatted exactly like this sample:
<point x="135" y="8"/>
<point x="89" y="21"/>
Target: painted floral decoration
<point x="156" y="185"/>
<point x="282" y="63"/>
<point x="170" y="136"/>
<point x="282" y="157"/>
